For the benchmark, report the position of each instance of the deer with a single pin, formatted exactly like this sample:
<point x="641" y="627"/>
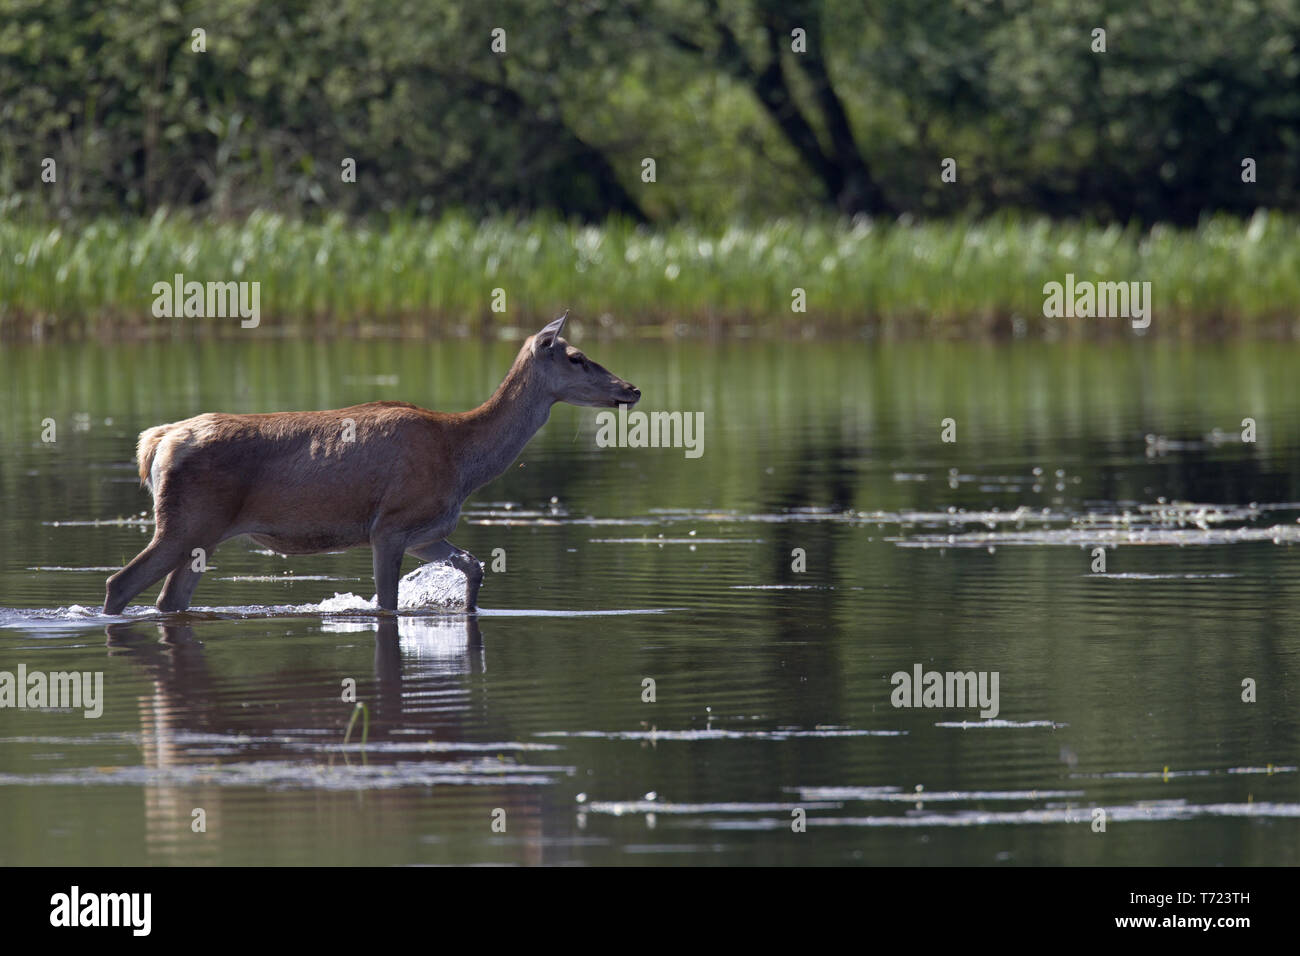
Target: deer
<point x="386" y="474"/>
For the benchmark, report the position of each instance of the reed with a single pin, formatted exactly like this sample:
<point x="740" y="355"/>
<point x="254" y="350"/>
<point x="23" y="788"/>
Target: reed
<point x="343" y="276"/>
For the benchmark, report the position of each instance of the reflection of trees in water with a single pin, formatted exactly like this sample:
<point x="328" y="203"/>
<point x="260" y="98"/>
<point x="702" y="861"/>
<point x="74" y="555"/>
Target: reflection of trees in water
<point x="194" y="718"/>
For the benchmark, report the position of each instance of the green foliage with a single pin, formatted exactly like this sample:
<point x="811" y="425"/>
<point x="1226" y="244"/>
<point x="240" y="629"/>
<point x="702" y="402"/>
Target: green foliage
<point x="282" y="95"/>
<point x="337" y="274"/>
<point x="1155" y="128"/>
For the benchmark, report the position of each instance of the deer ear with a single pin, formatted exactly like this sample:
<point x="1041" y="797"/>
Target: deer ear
<point x="546" y="338"/>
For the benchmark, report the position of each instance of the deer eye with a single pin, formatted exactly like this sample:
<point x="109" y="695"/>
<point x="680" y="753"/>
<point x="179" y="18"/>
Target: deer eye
<point x="576" y="359"/>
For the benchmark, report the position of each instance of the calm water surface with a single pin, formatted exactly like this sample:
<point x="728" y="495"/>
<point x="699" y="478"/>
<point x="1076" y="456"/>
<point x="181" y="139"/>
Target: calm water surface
<point x="1119" y="690"/>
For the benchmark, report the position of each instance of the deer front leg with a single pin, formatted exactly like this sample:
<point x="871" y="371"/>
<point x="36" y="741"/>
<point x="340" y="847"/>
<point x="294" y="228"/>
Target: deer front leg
<point x="463" y="561"/>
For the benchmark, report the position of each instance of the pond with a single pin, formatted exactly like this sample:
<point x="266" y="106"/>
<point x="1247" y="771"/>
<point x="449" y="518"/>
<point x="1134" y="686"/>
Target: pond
<point x="688" y="658"/>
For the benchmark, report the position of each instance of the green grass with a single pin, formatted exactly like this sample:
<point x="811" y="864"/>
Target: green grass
<point x="337" y="275"/>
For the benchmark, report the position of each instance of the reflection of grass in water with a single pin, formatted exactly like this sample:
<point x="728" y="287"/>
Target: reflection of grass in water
<point x="365" y="729"/>
<point x="931" y="275"/>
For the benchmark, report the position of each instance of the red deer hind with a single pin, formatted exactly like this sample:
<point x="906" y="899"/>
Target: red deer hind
<point x="385" y="474"/>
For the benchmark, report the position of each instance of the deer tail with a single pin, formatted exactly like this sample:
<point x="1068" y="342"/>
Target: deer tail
<point x="145" y="451"/>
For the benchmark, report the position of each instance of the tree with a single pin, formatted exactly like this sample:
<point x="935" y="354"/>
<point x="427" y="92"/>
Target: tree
<point x="817" y="125"/>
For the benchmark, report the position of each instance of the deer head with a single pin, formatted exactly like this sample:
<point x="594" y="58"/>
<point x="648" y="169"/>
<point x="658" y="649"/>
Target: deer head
<point x="570" y="376"/>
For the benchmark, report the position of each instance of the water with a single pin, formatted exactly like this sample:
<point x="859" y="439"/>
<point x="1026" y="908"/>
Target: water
<point x="1119" y="690"/>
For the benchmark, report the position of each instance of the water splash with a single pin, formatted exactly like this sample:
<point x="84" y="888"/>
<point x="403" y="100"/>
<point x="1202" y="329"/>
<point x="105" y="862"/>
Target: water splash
<point x="428" y="587"/>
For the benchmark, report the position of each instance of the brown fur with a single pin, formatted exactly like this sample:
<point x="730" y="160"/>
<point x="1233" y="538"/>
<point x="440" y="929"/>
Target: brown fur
<point x="294" y="483"/>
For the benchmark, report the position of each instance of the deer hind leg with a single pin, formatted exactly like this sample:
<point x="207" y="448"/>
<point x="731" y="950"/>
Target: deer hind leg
<point x="161" y="556"/>
<point x="183" y="522"/>
<point x="184" y="578"/>
<point x="447" y="553"/>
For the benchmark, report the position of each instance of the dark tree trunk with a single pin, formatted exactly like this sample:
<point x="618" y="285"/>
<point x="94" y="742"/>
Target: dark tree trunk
<point x="842" y="170"/>
<point x="856" y="189"/>
<point x="583" y="178"/>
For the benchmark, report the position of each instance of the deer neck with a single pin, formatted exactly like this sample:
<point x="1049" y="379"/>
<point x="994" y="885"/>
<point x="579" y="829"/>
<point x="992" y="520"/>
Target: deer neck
<point x="499" y="429"/>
